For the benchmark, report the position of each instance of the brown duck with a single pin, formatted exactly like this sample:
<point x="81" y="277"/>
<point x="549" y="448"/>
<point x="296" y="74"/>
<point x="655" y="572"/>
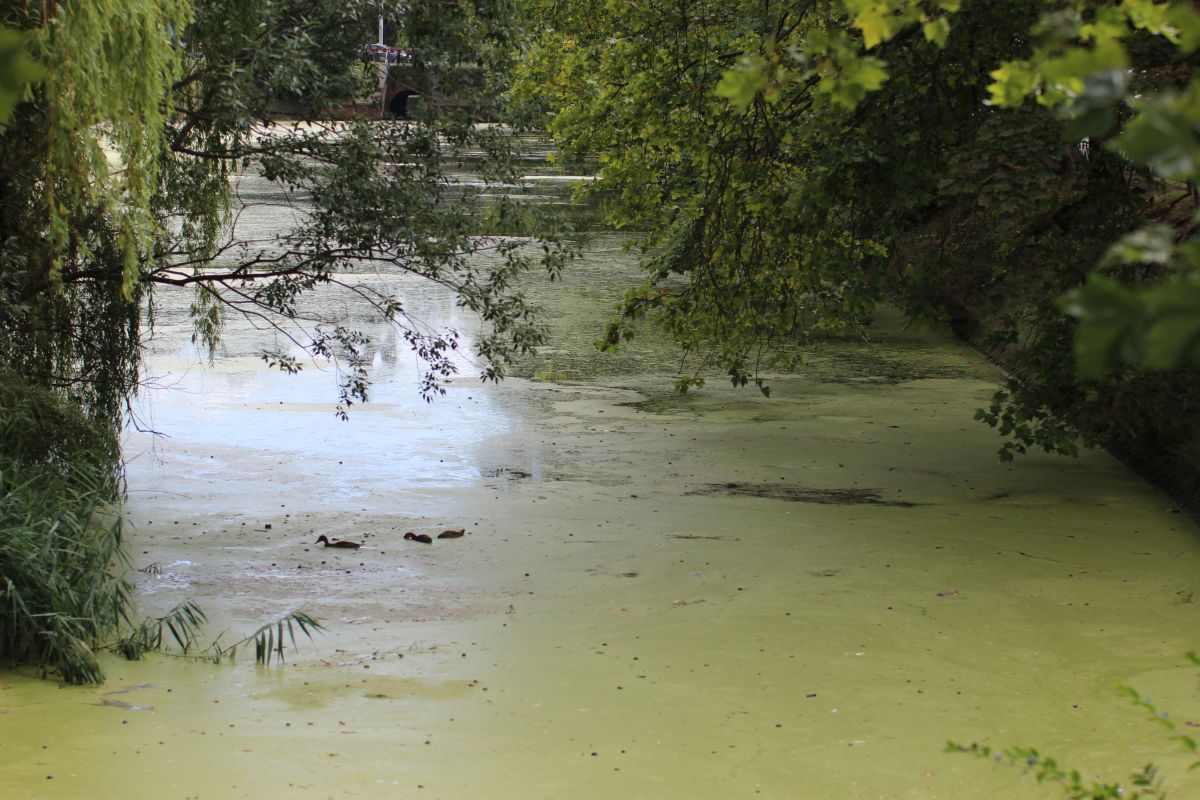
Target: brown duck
<point x="340" y="543"/>
<point x="419" y="537"/>
<point x="452" y="534"/>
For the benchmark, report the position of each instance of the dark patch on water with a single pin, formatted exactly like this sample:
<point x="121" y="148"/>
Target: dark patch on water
<point x="664" y="403"/>
<point x="121" y="704"/>
<point x="859" y="363"/>
<point x="511" y="473"/>
<point x="803" y="494"/>
<point x="134" y="688"/>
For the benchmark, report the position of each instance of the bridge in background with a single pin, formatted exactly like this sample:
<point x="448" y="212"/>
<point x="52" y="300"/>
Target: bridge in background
<point x="393" y="99"/>
<point x="380" y="53"/>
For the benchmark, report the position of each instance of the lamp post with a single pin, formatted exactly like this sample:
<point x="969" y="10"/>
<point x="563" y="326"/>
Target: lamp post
<point x="383" y="72"/>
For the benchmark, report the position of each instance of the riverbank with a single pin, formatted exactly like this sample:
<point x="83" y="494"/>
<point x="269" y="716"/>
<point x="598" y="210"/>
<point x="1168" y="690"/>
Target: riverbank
<point x="1144" y="444"/>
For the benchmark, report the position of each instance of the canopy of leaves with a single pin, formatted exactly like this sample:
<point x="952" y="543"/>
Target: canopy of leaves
<point x="794" y="164"/>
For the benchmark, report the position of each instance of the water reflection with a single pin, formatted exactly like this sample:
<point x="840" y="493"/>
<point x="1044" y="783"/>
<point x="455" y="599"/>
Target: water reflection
<point x="396" y="440"/>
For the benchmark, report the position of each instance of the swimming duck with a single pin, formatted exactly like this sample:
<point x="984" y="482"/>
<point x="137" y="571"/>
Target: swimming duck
<point x="339" y="543"/>
<point x="452" y="534"/>
<point x="419" y="537"/>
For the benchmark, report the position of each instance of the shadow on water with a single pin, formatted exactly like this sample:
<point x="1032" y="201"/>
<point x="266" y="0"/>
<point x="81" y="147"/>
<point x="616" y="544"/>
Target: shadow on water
<point x="802" y="494"/>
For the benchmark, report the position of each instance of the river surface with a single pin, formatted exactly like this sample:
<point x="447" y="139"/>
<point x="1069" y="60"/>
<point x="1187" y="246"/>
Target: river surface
<point x="717" y="595"/>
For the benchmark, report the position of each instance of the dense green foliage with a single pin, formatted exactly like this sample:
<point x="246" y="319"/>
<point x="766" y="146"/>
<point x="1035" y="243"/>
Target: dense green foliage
<point x="60" y="533"/>
<point x="795" y="164"/>
<point x="17" y="70"/>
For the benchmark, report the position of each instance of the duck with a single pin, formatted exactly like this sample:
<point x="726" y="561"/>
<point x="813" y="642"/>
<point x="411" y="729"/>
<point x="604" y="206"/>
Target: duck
<point x="340" y="543"/>
<point x="452" y="534"/>
<point x="419" y="537"/>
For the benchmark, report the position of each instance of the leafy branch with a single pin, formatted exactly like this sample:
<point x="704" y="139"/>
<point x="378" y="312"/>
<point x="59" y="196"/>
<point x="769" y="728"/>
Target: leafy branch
<point x="183" y="623"/>
<point x="269" y="640"/>
<point x="1145" y="783"/>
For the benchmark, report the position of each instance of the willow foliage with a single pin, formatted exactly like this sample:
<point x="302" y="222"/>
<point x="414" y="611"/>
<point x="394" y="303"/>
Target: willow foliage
<point x="118" y="181"/>
<point x="82" y="157"/>
<point x="109" y="70"/>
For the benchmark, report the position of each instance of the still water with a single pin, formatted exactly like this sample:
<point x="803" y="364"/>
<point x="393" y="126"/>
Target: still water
<point x="711" y="596"/>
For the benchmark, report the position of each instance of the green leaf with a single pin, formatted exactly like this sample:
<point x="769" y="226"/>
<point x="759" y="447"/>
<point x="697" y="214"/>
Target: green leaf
<point x="1152" y="16"/>
<point x="1174" y="334"/>
<point x="1152" y="244"/>
<point x="937" y="31"/>
<point x="1186" y="20"/>
<point x="877" y="25"/>
<point x="1011" y="84"/>
<point x="857" y="77"/>
<point x="740" y="84"/>
<point x="17" y="70"/>
<point x="1111" y="321"/>
<point x="1163" y="138"/>
<point x="1065" y="77"/>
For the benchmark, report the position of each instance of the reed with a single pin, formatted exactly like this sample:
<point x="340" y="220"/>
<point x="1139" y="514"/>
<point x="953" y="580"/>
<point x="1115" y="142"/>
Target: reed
<point x="65" y="594"/>
<point x="62" y="594"/>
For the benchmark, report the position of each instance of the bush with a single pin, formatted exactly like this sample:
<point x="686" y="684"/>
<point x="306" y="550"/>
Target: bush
<point x="61" y="594"/>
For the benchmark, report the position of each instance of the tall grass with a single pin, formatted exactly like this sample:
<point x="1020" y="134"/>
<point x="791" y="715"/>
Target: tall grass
<point x="59" y="596"/>
<point x="61" y="590"/>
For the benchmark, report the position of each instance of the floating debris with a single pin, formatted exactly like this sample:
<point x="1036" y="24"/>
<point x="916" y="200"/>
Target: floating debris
<point x="104" y="701"/>
<point x="803" y="494"/>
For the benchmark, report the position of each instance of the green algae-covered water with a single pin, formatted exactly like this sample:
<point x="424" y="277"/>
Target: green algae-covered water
<point x="710" y="596"/>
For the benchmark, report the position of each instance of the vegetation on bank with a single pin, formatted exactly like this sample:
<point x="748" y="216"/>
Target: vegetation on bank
<point x="60" y="533"/>
<point x="65" y="593"/>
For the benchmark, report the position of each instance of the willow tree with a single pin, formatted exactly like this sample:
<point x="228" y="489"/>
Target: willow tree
<point x="796" y="164"/>
<point x="107" y="69"/>
<point x="119" y="166"/>
<point x="116" y="181"/>
<point x="68" y="347"/>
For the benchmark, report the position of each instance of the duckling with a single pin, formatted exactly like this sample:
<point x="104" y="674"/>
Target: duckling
<point x="419" y="537"/>
<point x="340" y="543"/>
<point x="452" y="534"/>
